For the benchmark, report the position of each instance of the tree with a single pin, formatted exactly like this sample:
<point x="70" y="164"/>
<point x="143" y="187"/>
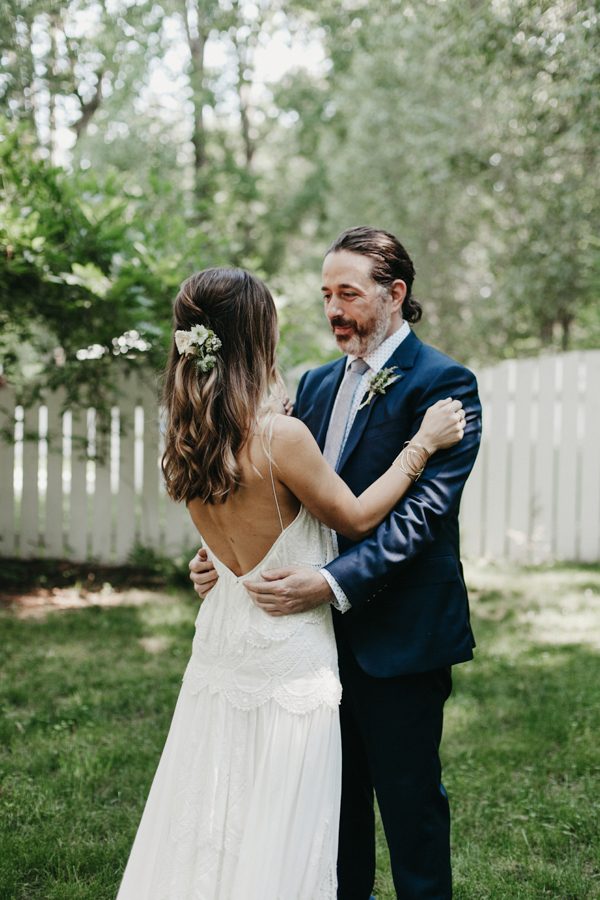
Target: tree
<point x="79" y="284"/>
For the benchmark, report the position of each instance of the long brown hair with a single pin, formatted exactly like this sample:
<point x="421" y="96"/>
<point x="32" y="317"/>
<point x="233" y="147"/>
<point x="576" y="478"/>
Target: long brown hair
<point x="210" y="415"/>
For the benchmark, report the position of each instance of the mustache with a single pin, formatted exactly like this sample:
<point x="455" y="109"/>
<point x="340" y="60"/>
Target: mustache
<point x="340" y="322"/>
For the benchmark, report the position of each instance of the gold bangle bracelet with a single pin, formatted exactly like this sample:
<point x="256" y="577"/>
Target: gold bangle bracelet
<point x="407" y="464"/>
<point x="420" y="446"/>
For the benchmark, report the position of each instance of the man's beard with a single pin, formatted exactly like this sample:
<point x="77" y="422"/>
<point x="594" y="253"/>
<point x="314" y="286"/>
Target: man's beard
<point x="364" y="338"/>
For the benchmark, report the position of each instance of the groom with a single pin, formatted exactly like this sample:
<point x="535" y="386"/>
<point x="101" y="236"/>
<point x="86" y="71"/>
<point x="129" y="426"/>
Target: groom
<point x="402" y="613"/>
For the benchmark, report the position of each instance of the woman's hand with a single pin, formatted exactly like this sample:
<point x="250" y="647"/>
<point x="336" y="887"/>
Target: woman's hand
<point x="443" y="425"/>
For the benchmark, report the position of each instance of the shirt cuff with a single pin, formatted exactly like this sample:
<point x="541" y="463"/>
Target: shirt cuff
<point x="340" y="601"/>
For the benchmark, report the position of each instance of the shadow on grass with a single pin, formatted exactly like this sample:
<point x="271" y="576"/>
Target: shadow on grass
<point x="85" y="707"/>
<point x="521" y="769"/>
<point x="87" y="699"/>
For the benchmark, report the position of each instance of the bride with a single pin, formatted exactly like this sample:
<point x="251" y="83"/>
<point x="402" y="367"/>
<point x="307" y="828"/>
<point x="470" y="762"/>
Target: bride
<point x="245" y="801"/>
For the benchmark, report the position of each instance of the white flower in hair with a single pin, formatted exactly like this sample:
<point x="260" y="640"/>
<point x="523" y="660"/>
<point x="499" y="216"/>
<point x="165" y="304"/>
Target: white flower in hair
<point x="199" y="334"/>
<point x="183" y="340"/>
<point x="200" y="342"/>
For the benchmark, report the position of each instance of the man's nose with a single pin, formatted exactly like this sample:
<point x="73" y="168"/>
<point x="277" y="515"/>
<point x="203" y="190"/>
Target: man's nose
<point x="334" y="308"/>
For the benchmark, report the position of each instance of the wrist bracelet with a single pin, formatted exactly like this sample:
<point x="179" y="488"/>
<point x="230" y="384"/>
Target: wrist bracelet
<point x="420" y="446"/>
<point x="400" y="463"/>
<point x="412" y="467"/>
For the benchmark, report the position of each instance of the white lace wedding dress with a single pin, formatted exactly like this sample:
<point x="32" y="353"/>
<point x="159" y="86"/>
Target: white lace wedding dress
<point x="245" y="801"/>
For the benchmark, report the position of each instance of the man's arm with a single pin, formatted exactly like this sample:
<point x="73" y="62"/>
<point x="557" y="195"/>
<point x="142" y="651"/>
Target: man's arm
<point x="202" y="572"/>
<point x="365" y="569"/>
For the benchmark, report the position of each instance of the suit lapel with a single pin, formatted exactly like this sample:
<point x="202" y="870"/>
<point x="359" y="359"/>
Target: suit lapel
<point x="403" y="358"/>
<point x="326" y="397"/>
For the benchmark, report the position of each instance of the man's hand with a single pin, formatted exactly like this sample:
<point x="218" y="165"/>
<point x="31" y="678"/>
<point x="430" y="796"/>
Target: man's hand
<point x="203" y="573"/>
<point x="282" y="592"/>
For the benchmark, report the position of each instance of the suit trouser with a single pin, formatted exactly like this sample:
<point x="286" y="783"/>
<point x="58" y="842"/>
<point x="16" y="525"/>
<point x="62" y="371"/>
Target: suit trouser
<point x="391" y="732"/>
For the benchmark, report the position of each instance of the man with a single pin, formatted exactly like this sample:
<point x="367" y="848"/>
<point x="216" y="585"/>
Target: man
<point x="402" y="616"/>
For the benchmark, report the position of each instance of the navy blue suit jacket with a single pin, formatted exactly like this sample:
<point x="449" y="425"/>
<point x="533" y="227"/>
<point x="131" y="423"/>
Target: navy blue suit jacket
<point x="410" y="610"/>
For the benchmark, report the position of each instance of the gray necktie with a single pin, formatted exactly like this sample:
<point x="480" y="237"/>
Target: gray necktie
<point x="334" y="442"/>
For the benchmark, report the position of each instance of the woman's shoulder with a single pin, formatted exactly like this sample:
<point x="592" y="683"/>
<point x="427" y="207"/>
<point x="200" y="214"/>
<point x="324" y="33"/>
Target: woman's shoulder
<point x="293" y="446"/>
<point x="287" y="430"/>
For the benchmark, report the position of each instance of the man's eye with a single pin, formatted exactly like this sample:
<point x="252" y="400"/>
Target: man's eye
<point x="348" y="295"/>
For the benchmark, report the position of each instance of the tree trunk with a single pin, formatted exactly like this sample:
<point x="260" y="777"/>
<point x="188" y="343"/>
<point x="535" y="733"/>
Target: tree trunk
<point x="244" y="51"/>
<point x="27" y="87"/>
<point x="243" y="92"/>
<point x="51" y="82"/>
<point x="88" y="108"/>
<point x="565" y="339"/>
<point x="197" y="30"/>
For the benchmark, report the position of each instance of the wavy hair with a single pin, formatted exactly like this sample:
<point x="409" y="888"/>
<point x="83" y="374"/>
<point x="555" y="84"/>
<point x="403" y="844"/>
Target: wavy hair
<point x="211" y="415"/>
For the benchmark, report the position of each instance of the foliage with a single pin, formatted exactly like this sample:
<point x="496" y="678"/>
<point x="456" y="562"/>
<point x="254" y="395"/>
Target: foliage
<point x="77" y="278"/>
<point x="88" y="696"/>
<point x="142" y="141"/>
<point x="471" y="131"/>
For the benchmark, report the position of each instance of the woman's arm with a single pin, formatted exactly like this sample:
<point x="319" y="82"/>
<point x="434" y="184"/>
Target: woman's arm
<point x="366" y="569"/>
<point x="302" y="468"/>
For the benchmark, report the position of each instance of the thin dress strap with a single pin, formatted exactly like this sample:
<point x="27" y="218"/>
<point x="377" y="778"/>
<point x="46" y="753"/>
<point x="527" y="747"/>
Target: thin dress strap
<point x="275" y="494"/>
<point x="270" y="456"/>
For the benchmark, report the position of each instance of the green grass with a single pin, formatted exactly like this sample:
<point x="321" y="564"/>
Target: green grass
<point x="86" y="698"/>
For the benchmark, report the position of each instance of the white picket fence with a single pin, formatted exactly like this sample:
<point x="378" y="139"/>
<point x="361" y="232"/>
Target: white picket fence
<point x="534" y="494"/>
<point x="87" y="489"/>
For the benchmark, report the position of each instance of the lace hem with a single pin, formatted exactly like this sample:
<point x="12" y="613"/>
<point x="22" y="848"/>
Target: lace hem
<point x="325" y="690"/>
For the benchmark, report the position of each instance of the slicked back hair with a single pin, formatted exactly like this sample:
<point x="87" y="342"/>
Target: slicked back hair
<point x="390" y="261"/>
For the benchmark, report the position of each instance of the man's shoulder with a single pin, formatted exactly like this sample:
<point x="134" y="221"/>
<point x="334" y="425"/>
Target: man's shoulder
<point x="436" y="362"/>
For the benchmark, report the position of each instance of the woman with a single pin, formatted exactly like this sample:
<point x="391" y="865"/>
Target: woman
<point x="245" y="802"/>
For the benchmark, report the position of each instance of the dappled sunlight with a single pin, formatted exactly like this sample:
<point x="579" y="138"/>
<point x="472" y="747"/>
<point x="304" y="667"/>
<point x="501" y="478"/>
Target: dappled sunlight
<point x="41" y="601"/>
<point x="552" y="606"/>
<point x="460" y="712"/>
<point x="88" y="697"/>
<point x="156" y="644"/>
<point x="171" y="611"/>
<point x="575" y="621"/>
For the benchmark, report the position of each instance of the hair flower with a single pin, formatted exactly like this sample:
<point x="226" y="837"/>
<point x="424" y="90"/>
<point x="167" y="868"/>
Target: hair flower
<point x="201" y="343"/>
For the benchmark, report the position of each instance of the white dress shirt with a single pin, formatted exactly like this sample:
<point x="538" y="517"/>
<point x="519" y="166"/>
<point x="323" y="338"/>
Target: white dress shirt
<point x="376" y="360"/>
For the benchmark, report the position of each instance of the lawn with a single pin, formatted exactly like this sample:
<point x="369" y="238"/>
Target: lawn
<point x="87" y="694"/>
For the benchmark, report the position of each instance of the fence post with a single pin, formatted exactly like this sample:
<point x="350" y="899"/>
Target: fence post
<point x="566" y="468"/>
<point x="102" y="500"/>
<point x="497" y="460"/>
<point x="54" y="511"/>
<point x="7" y="467"/>
<point x="150" y="513"/>
<point x="589" y="514"/>
<point x="519" y="516"/>
<point x="29" y="529"/>
<point x="125" y="524"/>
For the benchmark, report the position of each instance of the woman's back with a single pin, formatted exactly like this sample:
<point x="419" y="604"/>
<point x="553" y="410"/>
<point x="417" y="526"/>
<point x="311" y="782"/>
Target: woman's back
<point x="241" y="531"/>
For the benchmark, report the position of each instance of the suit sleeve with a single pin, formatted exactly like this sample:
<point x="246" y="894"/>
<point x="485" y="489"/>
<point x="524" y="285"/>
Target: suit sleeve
<point x="367" y="568"/>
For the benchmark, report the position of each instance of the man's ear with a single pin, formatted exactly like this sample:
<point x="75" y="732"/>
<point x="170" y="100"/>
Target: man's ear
<point x="398" y="291"/>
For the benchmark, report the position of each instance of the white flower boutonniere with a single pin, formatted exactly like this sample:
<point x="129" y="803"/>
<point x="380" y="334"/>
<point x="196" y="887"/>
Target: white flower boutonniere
<point x="379" y="383"/>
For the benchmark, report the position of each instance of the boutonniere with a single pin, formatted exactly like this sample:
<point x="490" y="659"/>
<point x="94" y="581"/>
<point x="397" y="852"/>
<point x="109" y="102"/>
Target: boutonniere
<point x="379" y="383"/>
